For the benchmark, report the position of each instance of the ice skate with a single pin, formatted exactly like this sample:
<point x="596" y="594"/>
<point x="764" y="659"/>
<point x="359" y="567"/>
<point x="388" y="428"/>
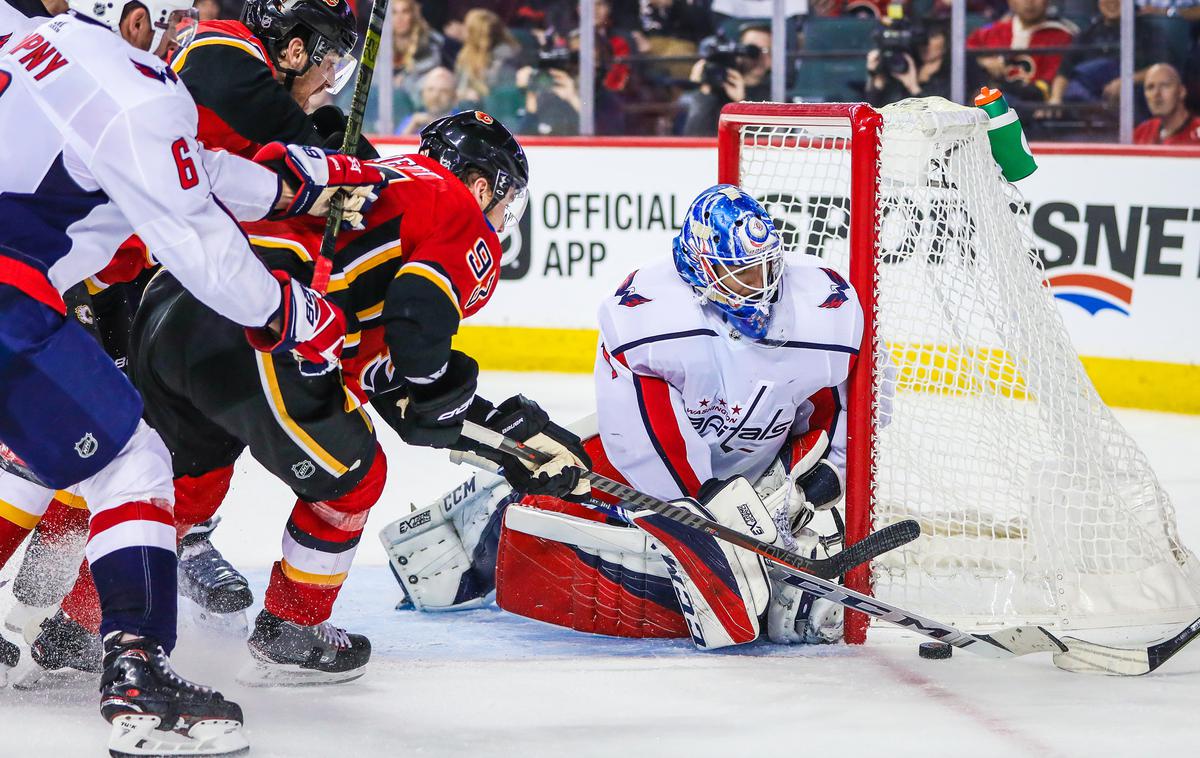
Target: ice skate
<point x="215" y="594"/>
<point x="26" y="620"/>
<point x="285" y="653"/>
<point x="156" y="712"/>
<point x="10" y="656"/>
<point x="62" y="646"/>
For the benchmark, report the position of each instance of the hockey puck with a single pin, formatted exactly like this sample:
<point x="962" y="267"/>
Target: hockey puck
<point x="935" y="651"/>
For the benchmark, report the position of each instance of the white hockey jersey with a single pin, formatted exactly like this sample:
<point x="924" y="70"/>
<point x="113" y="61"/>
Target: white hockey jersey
<point x="100" y="143"/>
<point x="15" y="24"/>
<point x="681" y="397"/>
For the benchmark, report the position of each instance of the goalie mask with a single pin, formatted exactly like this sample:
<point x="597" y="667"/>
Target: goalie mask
<point x="729" y="252"/>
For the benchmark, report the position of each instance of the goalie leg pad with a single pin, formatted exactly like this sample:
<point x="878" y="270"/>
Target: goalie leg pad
<point x="444" y="555"/>
<point x="564" y="564"/>
<point x="722" y="589"/>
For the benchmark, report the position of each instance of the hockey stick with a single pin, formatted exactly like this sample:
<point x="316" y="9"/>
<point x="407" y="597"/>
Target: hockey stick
<point x="354" y="121"/>
<point x="876" y="544"/>
<point x="1092" y="658"/>
<point x="1070" y="653"/>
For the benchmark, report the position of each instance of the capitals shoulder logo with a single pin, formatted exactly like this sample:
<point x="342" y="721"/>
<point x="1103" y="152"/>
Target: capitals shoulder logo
<point x="838" y="296"/>
<point x="629" y="298"/>
<point x="1092" y="292"/>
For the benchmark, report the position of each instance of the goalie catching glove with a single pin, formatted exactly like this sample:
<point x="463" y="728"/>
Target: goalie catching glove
<point x="314" y="176"/>
<point x="308" y="324"/>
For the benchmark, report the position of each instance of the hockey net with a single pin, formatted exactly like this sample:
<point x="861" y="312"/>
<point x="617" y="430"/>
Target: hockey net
<point x="969" y="409"/>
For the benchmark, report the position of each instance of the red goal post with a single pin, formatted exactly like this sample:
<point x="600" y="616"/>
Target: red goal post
<point x="865" y="125"/>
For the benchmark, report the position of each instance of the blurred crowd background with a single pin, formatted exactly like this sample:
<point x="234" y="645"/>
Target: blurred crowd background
<point x="666" y="67"/>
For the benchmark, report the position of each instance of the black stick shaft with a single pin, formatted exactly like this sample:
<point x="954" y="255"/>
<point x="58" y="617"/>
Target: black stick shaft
<point x="886" y="539"/>
<point x="354" y="123"/>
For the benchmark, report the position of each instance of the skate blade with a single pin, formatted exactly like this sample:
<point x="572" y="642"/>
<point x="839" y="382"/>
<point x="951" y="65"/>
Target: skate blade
<point x="259" y="674"/>
<point x="231" y="625"/>
<point x="28" y="675"/>
<point x="134" y="735"/>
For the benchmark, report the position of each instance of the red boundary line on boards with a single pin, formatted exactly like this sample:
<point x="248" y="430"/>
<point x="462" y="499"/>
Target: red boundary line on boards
<point x="1039" y="148"/>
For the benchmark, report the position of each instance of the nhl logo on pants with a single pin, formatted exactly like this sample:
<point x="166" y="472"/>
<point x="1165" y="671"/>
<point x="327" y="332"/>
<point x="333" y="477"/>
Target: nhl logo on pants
<point x="87" y="446"/>
<point x="304" y="469"/>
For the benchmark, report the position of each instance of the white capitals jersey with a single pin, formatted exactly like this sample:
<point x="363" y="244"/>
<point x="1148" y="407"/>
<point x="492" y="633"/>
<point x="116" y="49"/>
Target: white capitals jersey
<point x="100" y="143"/>
<point x="15" y="24"/>
<point x="681" y="399"/>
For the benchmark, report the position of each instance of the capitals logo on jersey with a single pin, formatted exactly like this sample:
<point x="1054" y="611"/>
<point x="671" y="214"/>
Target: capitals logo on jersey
<point x="838" y="298"/>
<point x="629" y="298"/>
<point x="150" y="72"/>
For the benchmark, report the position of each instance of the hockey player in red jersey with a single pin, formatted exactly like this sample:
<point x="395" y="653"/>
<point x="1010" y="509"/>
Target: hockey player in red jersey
<point x="717" y="377"/>
<point x="427" y="258"/>
<point x="252" y="78"/>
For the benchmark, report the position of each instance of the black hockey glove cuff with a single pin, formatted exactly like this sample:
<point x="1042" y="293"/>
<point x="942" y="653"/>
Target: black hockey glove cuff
<point x="432" y="414"/>
<point x="330" y="124"/>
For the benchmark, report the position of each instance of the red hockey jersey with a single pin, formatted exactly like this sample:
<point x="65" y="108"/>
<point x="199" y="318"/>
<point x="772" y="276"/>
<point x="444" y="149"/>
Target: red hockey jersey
<point x="427" y="225"/>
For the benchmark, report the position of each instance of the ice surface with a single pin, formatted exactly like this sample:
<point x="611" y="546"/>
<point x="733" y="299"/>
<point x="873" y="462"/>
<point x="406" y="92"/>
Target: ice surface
<point x="484" y="683"/>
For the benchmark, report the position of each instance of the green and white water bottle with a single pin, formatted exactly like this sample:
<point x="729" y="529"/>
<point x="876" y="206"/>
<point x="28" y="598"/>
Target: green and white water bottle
<point x="1009" y="148"/>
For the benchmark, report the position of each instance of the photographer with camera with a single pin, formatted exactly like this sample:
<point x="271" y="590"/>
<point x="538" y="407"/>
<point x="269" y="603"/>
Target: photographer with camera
<point x="910" y="60"/>
<point x="551" y="85"/>
<point x="727" y="72"/>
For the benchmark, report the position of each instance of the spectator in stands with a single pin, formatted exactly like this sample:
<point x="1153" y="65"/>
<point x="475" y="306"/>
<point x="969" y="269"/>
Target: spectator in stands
<point x="681" y="19"/>
<point x="452" y="14"/>
<point x="488" y="57"/>
<point x="1021" y="74"/>
<point x="1171" y="123"/>
<point x="551" y="89"/>
<point x="1092" y="75"/>
<point x="439" y="93"/>
<point x="416" y="48"/>
<point x="1188" y="10"/>
<point x="888" y="82"/>
<point x="749" y="79"/>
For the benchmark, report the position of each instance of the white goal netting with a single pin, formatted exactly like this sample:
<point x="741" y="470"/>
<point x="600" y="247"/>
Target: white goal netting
<point x="1035" y="505"/>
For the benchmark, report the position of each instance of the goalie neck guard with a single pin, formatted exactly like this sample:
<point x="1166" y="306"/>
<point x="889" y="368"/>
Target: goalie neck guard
<point x="731" y="255"/>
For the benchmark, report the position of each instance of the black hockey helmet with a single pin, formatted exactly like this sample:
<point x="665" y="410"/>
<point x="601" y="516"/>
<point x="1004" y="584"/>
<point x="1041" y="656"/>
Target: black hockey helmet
<point x="474" y="140"/>
<point x="326" y="26"/>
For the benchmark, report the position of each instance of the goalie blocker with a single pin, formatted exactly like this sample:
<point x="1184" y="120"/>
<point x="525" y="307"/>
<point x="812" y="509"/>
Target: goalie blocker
<point x="628" y="574"/>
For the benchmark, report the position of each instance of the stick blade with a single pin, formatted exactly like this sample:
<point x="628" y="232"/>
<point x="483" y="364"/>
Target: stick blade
<point x="1083" y="657"/>
<point x="871" y="547"/>
<point x="1093" y="658"/>
<point x="1024" y="640"/>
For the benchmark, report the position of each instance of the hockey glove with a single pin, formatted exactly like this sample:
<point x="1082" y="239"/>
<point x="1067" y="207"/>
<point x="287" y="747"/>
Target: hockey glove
<point x="309" y="325"/>
<point x="330" y="123"/>
<point x="314" y="176"/>
<point x="432" y="413"/>
<point x="525" y="421"/>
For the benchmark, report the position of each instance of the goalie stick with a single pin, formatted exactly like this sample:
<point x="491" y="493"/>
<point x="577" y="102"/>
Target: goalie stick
<point x="1069" y="653"/>
<point x="354" y="120"/>
<point x="876" y="544"/>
